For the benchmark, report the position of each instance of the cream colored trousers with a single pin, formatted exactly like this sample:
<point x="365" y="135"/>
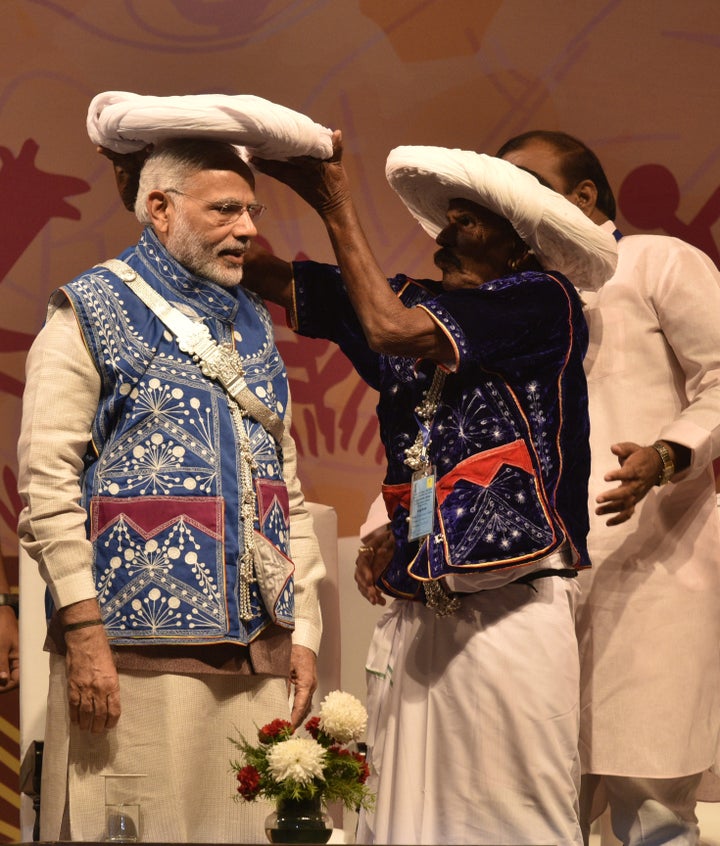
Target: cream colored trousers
<point x="174" y="729"/>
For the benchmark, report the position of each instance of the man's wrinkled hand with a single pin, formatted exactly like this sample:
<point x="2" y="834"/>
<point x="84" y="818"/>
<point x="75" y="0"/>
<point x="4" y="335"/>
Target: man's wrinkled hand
<point x="93" y="685"/>
<point x="322" y="183"/>
<point x="372" y="559"/>
<point x="303" y="678"/>
<point x="127" y="167"/>
<point x="638" y="472"/>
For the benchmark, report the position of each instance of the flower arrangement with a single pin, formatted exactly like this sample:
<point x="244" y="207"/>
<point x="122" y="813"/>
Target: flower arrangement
<point x="283" y="766"/>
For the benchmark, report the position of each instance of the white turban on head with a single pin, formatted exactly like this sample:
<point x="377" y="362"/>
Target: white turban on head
<point x="125" y="122"/>
<point x="559" y="234"/>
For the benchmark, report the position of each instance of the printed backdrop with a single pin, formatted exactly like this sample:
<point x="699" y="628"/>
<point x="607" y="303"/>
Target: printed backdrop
<point x="637" y="79"/>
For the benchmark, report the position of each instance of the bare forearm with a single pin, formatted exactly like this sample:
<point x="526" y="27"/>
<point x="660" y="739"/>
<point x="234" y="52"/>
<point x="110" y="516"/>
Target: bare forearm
<point x="268" y="276"/>
<point x="389" y="326"/>
<point x="79" y="613"/>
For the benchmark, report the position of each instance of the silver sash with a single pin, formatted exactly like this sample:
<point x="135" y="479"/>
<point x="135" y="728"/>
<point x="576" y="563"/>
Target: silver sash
<point x="219" y="362"/>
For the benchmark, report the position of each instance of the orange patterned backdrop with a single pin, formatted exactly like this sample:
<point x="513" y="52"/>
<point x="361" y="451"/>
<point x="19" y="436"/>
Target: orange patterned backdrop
<point x="637" y="79"/>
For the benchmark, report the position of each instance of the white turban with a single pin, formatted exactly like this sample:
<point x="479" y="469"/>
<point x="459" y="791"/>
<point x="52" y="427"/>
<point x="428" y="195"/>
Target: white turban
<point x="559" y="234"/>
<point x="125" y="122"/>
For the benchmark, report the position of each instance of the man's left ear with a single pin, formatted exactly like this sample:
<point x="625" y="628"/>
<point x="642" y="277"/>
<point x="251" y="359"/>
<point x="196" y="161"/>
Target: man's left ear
<point x="584" y="195"/>
<point x="157" y="206"/>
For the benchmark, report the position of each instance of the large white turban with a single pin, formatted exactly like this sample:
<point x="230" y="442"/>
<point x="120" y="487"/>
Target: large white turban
<point x="126" y="122"/>
<point x="560" y="235"/>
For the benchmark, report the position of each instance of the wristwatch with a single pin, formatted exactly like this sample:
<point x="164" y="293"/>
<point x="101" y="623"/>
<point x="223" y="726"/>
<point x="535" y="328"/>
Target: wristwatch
<point x="668" y="465"/>
<point x="11" y="599"/>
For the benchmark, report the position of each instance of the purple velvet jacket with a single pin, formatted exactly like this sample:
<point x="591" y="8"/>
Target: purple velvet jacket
<point x="510" y="436"/>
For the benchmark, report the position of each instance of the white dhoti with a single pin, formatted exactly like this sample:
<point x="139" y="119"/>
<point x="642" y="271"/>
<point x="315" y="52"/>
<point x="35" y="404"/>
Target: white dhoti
<point x="473" y="720"/>
<point x="174" y="729"/>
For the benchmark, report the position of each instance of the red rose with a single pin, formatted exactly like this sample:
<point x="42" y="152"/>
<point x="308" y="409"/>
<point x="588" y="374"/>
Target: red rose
<point x="364" y="768"/>
<point x="312" y="726"/>
<point x="274" y="730"/>
<point x="248" y="783"/>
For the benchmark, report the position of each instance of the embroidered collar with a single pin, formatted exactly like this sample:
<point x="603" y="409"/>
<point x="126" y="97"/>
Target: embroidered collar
<point x="199" y="294"/>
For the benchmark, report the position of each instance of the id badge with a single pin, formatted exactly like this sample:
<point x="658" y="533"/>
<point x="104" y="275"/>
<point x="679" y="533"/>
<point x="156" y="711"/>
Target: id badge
<point x="422" y="503"/>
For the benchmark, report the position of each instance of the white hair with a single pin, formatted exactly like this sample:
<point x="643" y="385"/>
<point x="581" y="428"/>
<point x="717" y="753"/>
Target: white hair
<point x="172" y="162"/>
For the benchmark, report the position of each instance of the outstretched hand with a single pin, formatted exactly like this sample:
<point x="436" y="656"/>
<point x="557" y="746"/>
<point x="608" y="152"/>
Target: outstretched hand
<point x="638" y="472"/>
<point x="322" y="183"/>
<point x="127" y="167"/>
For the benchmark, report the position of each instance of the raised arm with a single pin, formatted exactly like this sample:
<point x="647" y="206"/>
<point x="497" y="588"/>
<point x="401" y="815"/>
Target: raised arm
<point x="127" y="167"/>
<point x="389" y="326"/>
<point x="268" y="276"/>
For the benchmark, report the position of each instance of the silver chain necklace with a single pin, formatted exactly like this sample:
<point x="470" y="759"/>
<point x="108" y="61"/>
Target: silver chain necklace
<point x="417" y="459"/>
<point x="416" y="456"/>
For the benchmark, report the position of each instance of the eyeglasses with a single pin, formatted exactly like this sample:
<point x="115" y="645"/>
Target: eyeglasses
<point x="224" y="214"/>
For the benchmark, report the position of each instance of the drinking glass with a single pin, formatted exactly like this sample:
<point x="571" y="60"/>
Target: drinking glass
<point x="122" y="807"/>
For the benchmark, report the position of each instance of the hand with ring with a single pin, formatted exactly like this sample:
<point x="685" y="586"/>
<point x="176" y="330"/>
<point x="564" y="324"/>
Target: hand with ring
<point x="373" y="557"/>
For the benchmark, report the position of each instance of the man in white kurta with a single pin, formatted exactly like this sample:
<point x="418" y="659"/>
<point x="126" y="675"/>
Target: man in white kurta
<point x="649" y="620"/>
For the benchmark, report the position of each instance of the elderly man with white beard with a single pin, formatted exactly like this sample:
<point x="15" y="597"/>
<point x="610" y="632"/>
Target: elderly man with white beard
<point x="163" y="508"/>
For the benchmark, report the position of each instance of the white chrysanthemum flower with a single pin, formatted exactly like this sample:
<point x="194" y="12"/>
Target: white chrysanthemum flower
<point x="299" y="758"/>
<point x="343" y="716"/>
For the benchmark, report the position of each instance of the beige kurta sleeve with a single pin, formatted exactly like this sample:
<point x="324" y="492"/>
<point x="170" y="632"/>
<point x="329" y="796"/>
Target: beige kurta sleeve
<point x="61" y="396"/>
<point x="304" y="551"/>
<point x="687" y="302"/>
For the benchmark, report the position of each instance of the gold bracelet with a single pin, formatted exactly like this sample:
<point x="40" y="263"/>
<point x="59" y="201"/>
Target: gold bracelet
<point x="364" y="548"/>
<point x="668" y="465"/>
<point x="71" y="627"/>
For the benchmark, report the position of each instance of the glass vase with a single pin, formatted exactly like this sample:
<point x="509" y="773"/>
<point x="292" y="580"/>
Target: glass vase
<point x="299" y="821"/>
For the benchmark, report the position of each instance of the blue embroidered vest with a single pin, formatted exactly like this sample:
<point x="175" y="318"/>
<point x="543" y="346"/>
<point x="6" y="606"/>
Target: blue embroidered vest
<point x="162" y="485"/>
